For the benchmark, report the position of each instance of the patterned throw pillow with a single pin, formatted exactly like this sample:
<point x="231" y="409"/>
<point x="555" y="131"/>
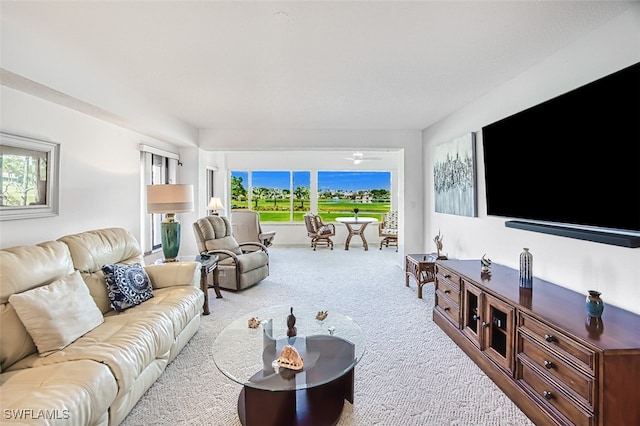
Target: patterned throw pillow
<point x="127" y="285"/>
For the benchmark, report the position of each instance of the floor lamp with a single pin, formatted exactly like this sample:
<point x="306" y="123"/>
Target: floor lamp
<point x="169" y="200"/>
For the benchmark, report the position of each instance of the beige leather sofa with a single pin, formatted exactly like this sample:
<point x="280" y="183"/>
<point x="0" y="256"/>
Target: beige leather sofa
<point x="99" y="377"/>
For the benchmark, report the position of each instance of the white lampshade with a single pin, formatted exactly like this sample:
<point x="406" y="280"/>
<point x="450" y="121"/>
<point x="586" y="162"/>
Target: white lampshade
<point x="169" y="198"/>
<point x="215" y="204"/>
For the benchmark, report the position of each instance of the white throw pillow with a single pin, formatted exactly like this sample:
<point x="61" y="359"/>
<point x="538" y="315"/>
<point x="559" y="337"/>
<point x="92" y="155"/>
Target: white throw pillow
<point x="57" y="314"/>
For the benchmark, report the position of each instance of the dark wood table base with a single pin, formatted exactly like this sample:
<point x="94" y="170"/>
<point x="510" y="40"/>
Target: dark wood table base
<point x="317" y="406"/>
<point x="209" y="267"/>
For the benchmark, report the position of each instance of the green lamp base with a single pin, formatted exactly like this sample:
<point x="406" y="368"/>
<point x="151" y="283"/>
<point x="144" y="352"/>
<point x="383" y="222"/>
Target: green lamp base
<point x="170" y="230"/>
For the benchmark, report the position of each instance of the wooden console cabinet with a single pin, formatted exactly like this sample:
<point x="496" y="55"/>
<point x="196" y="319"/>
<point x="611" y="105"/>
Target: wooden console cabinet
<point x="539" y="346"/>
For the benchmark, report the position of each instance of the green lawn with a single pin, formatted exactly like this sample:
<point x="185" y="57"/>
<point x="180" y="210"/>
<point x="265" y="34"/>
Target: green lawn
<point x="328" y="210"/>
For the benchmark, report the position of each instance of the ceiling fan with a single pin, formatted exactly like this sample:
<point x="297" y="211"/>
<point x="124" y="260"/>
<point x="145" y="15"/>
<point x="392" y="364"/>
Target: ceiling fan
<point x="358" y="157"/>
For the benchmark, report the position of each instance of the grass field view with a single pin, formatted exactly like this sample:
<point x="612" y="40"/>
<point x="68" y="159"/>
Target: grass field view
<point x="285" y="196"/>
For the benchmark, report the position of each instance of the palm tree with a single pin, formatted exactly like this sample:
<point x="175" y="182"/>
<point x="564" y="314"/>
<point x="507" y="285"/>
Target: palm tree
<point x="302" y="193"/>
<point x="257" y="194"/>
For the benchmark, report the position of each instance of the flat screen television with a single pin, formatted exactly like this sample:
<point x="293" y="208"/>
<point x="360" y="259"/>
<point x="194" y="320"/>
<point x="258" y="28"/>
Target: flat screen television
<point x="572" y="160"/>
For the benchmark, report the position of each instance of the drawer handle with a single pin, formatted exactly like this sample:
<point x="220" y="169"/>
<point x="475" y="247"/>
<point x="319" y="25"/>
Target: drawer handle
<point x="447" y="276"/>
<point x="547" y="395"/>
<point x="447" y="291"/>
<point x="485" y="324"/>
<point x="548" y="365"/>
<point x="476" y="317"/>
<point x="446" y="308"/>
<point x="549" y="338"/>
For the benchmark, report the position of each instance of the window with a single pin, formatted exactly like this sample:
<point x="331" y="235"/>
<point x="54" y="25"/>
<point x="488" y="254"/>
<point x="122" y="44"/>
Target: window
<point x="159" y="176"/>
<point x="278" y="196"/>
<point x="339" y="192"/>
<point x="281" y="196"/>
<point x="157" y="167"/>
<point x="28" y="178"/>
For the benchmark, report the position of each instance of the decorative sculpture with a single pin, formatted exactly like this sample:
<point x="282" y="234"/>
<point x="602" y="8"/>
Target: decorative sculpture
<point x="321" y="315"/>
<point x="291" y="325"/>
<point x="486" y="264"/>
<point x="438" y="240"/>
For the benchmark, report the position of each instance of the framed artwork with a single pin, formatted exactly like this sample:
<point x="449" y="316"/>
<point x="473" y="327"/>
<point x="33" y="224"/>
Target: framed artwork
<point x="29" y="177"/>
<point x="454" y="176"/>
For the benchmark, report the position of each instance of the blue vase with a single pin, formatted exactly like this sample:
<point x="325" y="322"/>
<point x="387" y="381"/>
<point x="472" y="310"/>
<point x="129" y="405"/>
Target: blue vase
<point x="594" y="304"/>
<point x="526" y="269"/>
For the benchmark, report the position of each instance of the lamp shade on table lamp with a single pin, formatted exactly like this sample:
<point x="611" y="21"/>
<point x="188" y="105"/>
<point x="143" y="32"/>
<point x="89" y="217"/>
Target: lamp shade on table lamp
<point x="214" y="205"/>
<point x="169" y="200"/>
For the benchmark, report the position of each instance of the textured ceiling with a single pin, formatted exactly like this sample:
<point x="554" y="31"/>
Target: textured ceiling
<point x="303" y="64"/>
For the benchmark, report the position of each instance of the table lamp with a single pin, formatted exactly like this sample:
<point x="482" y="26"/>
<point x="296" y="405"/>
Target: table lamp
<point x="169" y="200"/>
<point x="214" y="205"/>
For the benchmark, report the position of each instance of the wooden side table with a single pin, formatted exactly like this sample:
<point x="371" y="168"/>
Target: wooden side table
<point x="209" y="266"/>
<point x="422" y="268"/>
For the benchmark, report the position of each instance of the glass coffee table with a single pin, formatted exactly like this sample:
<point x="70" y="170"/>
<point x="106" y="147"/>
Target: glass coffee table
<point x="273" y="395"/>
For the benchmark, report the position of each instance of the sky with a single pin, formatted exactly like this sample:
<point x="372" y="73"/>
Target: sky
<point x="333" y="180"/>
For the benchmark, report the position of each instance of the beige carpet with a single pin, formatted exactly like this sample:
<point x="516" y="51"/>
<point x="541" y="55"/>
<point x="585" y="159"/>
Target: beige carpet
<point x="411" y="372"/>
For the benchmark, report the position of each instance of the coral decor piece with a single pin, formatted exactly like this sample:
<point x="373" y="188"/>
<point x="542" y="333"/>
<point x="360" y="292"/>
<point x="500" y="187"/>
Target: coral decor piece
<point x="290" y="358"/>
<point x="254" y="322"/>
<point x="321" y="315"/>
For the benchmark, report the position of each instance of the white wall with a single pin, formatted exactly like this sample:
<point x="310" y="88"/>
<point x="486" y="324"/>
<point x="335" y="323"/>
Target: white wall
<point x="575" y="264"/>
<point x="99" y="169"/>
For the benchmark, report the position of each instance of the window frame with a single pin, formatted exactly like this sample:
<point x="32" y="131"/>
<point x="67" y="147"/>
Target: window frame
<point x="164" y="172"/>
<point x="51" y="150"/>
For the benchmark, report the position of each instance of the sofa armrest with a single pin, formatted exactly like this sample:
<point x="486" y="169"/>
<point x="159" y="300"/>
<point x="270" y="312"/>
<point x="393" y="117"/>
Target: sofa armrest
<point x="173" y="274"/>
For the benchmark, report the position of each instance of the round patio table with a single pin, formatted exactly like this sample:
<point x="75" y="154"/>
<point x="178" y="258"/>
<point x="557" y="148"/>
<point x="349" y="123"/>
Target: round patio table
<point x="356" y="226"/>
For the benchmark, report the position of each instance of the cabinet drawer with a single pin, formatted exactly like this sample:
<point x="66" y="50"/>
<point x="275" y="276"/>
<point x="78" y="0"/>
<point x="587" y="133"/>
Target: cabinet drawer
<point x="448" y="308"/>
<point x="443" y="274"/>
<point x="554" y="340"/>
<point x="538" y="355"/>
<point x="553" y="398"/>
<point x="451" y="290"/>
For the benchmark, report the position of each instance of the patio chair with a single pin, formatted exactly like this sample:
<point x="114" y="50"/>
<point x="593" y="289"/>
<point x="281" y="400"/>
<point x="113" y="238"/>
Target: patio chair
<point x="238" y="268"/>
<point x="319" y="232"/>
<point x="388" y="230"/>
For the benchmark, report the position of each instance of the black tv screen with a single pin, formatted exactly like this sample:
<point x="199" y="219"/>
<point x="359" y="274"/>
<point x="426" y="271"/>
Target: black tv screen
<point x="574" y="159"/>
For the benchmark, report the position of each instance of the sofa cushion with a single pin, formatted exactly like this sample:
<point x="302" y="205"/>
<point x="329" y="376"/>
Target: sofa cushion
<point x="23" y="268"/>
<point x="71" y="393"/>
<point x="127" y="285"/>
<point x="128" y="343"/>
<point x="58" y="313"/>
<point x="92" y="250"/>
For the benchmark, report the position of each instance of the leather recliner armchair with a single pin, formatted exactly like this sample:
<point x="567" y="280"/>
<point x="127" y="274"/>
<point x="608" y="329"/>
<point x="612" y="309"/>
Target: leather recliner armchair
<point x="246" y="228"/>
<point x="240" y="265"/>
